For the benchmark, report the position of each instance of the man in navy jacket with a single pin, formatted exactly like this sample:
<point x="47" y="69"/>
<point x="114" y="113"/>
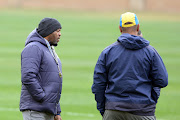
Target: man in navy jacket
<point x="41" y="74"/>
<point x="128" y="75"/>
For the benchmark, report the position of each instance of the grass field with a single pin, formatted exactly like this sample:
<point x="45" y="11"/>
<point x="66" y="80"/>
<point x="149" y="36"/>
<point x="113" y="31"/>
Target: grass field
<point x="84" y="36"/>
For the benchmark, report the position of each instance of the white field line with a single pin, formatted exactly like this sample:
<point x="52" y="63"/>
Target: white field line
<point x="79" y="114"/>
<point x="67" y="113"/>
<point x="9" y="109"/>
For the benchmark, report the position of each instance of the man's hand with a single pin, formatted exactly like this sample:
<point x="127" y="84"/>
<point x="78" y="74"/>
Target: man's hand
<point x="57" y="117"/>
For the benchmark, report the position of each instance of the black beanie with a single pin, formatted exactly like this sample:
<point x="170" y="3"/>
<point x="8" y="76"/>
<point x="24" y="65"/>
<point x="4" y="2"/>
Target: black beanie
<point x="48" y="26"/>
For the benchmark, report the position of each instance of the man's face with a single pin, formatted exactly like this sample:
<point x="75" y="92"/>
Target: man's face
<point x="54" y="37"/>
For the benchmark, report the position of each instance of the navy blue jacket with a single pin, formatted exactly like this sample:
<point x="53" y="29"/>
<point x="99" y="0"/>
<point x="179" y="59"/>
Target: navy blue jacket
<point x="128" y="76"/>
<point x="41" y="83"/>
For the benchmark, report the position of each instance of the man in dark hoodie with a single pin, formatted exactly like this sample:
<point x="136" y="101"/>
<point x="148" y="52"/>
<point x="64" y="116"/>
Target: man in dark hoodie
<point x="41" y="74"/>
<point x="128" y="75"/>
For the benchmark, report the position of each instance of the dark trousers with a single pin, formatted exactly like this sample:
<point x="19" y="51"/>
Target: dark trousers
<point x="119" y="115"/>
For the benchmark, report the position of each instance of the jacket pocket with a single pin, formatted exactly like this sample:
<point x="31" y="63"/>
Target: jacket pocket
<point x="51" y="98"/>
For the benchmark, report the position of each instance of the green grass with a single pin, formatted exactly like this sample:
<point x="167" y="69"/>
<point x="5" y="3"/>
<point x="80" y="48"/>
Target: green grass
<point x="84" y="36"/>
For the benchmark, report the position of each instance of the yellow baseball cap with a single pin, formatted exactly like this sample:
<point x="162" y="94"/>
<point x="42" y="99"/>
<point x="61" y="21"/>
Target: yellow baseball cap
<point x="128" y="19"/>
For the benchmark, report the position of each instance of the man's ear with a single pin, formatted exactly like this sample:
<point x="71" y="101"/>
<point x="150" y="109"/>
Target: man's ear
<point x="138" y="28"/>
<point x="120" y="29"/>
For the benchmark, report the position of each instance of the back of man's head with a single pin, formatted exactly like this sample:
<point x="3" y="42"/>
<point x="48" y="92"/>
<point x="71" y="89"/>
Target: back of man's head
<point x="129" y="23"/>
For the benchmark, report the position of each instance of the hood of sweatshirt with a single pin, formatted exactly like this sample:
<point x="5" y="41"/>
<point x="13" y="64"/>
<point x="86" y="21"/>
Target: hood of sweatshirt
<point x="132" y="42"/>
<point x="35" y="37"/>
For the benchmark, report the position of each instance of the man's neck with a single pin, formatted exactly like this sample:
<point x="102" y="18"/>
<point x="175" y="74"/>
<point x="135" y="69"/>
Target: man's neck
<point x="132" y="33"/>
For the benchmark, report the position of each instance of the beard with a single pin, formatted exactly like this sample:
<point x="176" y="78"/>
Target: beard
<point x="53" y="44"/>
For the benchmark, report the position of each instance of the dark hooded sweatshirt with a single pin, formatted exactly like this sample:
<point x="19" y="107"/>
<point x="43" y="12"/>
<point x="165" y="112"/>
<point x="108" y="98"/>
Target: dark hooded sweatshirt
<point x="128" y="76"/>
<point x="41" y="83"/>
